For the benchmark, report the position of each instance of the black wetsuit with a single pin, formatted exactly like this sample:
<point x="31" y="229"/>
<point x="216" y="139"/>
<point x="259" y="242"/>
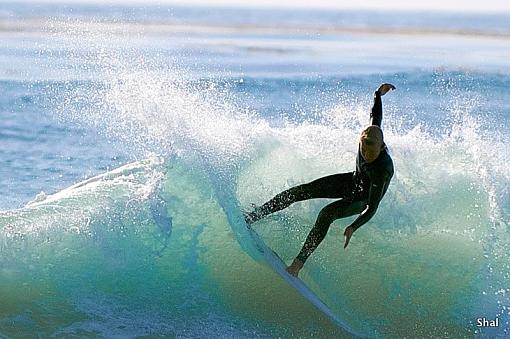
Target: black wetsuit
<point x="359" y="192"/>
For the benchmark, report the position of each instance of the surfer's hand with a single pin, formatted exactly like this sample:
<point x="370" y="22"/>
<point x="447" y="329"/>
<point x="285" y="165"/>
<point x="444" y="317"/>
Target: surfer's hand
<point x="348" y="234"/>
<point x="385" y="88"/>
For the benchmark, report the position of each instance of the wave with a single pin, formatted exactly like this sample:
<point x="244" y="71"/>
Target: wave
<point x="153" y="248"/>
<point x="141" y="250"/>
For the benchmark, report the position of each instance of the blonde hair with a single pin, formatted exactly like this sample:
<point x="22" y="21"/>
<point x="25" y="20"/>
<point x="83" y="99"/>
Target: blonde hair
<point x="372" y="135"/>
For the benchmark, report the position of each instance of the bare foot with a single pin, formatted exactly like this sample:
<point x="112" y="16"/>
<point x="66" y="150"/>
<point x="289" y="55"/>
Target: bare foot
<point x="385" y="88"/>
<point x="295" y="267"/>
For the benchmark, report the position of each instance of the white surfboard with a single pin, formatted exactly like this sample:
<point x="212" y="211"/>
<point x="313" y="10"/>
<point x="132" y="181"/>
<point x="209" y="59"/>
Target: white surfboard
<point x="277" y="264"/>
<point x="250" y="241"/>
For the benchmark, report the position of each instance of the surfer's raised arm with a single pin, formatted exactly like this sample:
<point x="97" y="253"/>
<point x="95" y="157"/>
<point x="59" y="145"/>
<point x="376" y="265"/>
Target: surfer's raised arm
<point x="358" y="192"/>
<point x="376" y="114"/>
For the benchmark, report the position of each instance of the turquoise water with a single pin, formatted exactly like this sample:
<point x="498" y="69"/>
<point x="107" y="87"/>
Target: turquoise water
<point x="129" y="136"/>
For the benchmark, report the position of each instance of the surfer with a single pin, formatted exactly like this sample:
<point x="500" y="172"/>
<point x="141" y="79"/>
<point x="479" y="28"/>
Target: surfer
<point x="359" y="192"/>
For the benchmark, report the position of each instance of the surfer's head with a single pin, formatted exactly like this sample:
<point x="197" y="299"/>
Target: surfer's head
<point x="371" y="143"/>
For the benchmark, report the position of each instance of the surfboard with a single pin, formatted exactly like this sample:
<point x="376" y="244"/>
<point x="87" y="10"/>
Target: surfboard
<point x="251" y="242"/>
<point x="277" y="264"/>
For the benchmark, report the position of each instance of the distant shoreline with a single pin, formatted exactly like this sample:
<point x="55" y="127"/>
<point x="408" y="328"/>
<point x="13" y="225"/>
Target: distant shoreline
<point x="123" y="27"/>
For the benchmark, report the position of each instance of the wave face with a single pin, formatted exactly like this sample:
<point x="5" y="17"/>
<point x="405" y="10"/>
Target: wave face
<point x="140" y="251"/>
<point x="155" y="247"/>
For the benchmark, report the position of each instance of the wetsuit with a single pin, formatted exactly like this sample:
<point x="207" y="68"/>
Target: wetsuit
<point x="359" y="192"/>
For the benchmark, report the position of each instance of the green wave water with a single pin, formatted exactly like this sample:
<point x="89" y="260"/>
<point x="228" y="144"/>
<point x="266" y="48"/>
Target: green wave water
<point x="151" y="249"/>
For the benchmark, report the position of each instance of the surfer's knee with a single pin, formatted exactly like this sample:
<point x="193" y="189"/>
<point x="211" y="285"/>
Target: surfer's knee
<point x="326" y="216"/>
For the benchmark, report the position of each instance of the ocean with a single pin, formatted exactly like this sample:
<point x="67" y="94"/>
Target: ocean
<point x="131" y="137"/>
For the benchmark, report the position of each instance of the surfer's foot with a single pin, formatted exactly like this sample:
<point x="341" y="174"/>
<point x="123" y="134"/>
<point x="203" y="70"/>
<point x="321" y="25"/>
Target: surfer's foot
<point x="250" y="217"/>
<point x="385" y="88"/>
<point x="295" y="267"/>
<point x="254" y="215"/>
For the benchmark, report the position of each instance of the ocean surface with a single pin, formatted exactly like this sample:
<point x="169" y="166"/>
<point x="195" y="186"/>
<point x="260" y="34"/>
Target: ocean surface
<point x="130" y="137"/>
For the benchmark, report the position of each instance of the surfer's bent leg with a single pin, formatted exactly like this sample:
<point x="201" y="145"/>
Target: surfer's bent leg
<point x="334" y="186"/>
<point x="336" y="210"/>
